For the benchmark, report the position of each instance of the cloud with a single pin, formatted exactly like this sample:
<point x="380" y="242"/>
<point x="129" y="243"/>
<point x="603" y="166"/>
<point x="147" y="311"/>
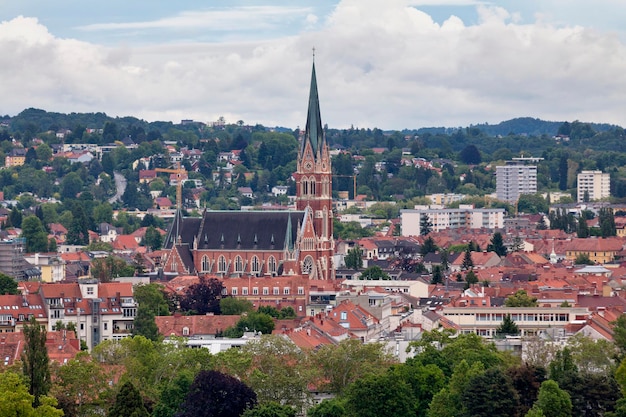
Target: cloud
<point x="249" y="18"/>
<point x="380" y="63"/>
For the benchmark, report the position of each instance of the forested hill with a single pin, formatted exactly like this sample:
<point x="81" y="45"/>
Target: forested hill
<point x="36" y="120"/>
<point x="518" y="126"/>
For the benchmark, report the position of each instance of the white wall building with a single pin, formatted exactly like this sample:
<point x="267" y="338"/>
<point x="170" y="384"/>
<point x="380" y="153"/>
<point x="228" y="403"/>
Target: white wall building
<point x="595" y="184"/>
<point x="465" y="217"/>
<point x="515" y="179"/>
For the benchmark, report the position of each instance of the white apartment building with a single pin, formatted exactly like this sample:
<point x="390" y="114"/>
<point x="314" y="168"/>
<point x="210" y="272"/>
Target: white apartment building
<point x="445" y="198"/>
<point x="595" y="184"/>
<point x="515" y="179"/>
<point x="441" y="218"/>
<point x="531" y="321"/>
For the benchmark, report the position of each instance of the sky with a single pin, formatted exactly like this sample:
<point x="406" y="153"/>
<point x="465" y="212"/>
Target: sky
<point x="391" y="64"/>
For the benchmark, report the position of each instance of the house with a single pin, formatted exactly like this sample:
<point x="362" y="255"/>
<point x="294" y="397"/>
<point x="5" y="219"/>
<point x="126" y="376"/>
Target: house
<point x="279" y="190"/>
<point x="481" y="260"/>
<point x="207" y="326"/>
<point x="62" y="346"/>
<point x="16" y="157"/>
<point x="246" y="192"/>
<point x="356" y="320"/>
<point x="147" y="175"/>
<point x="599" y="250"/>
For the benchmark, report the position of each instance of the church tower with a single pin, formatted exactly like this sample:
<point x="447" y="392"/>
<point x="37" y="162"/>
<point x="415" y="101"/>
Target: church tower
<point x="314" y="190"/>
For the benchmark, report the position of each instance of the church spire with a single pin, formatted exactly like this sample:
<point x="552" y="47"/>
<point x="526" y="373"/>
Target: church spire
<point x="314" y="132"/>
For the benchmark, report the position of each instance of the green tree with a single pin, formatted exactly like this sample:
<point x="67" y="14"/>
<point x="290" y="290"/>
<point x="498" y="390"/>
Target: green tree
<point x="151" y="297"/>
<point x="354" y="259"/>
<point x="350" y="360"/>
<point x="153" y="238"/>
<point x="71" y="185"/>
<point x="214" y="394"/>
<point x="429" y="246"/>
<point x="447" y="402"/>
<point x="553" y="401"/>
<point x="425" y="381"/>
<point x="233" y="306"/>
<point x="173" y="394"/>
<point x="128" y="403"/>
<point x="251" y="322"/>
<point x="279" y="371"/>
<point x="526" y="380"/>
<point x="8" y="285"/>
<point x="328" y="408"/>
<point x="532" y="204"/>
<point x="497" y="245"/>
<point x="35" y="235"/>
<point x="583" y="259"/>
<point x="468" y="263"/>
<point x="619" y="336"/>
<point x="437" y="277"/>
<point x="520" y="299"/>
<point x="35" y="360"/>
<point x="144" y="324"/>
<point x="80" y="386"/>
<point x="607" y="222"/>
<point x="374" y="272"/>
<point x="508" y="327"/>
<point x="78" y="231"/>
<point x="563" y="170"/>
<point x="16" y="401"/>
<point x="426" y="226"/>
<point x="272" y="409"/>
<point x="470" y="155"/>
<point x="583" y="228"/>
<point x="491" y="395"/>
<point x="380" y="395"/>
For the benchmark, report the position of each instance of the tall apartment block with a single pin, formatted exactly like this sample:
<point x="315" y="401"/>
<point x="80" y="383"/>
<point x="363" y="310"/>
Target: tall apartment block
<point x="515" y="179"/>
<point x="593" y="185"/>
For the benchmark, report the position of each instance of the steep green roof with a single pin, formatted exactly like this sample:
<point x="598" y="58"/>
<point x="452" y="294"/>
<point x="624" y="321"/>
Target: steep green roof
<point x="314" y="132"/>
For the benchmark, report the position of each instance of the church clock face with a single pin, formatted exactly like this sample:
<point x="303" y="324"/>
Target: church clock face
<point x="307" y="265"/>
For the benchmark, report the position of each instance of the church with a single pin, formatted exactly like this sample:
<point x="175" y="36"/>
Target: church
<point x="238" y="244"/>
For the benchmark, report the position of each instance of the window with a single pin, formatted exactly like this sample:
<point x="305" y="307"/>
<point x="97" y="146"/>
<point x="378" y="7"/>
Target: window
<point x="266" y="291"/>
<point x="286" y="291"/>
<point x="344" y="315"/>
<point x="300" y="290"/>
<point x="255" y="266"/>
<point x="185" y="331"/>
<point x="205" y="263"/>
<point x="89" y="290"/>
<point x="233" y="291"/>
<point x="276" y="291"/>
<point x="255" y="291"/>
<point x="221" y="265"/>
<point x="106" y="326"/>
<point x="238" y="264"/>
<point x="244" y="291"/>
<point x="271" y="265"/>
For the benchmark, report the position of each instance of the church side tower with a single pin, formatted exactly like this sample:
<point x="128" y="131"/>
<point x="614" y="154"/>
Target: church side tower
<point x="314" y="186"/>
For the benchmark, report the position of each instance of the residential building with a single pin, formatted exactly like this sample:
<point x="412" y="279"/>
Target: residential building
<point x="16" y="157"/>
<point x="531" y="321"/>
<point x="441" y="218"/>
<point x="515" y="179"/>
<point x="593" y="185"/>
<point x="445" y="198"/>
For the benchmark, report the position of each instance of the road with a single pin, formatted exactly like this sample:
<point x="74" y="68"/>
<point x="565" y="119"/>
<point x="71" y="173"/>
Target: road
<point x="120" y="187"/>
